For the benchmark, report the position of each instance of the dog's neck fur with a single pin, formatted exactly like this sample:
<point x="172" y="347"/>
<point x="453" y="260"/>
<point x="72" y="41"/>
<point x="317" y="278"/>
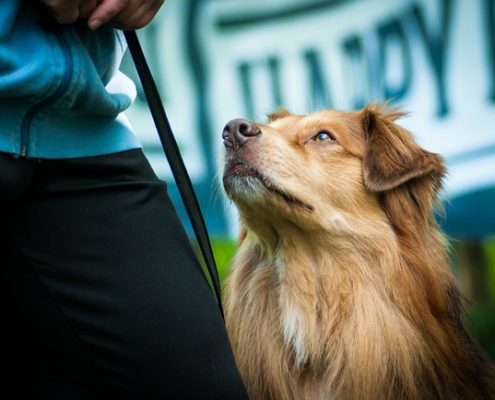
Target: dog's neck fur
<point x="367" y="297"/>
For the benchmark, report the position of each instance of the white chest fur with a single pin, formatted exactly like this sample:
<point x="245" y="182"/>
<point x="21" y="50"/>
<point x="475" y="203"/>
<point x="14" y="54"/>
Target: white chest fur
<point x="294" y="332"/>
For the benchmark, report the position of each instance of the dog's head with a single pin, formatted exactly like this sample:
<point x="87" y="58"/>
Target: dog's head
<point x="328" y="170"/>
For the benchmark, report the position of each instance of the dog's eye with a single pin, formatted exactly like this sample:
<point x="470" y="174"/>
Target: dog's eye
<point x="323" y="136"/>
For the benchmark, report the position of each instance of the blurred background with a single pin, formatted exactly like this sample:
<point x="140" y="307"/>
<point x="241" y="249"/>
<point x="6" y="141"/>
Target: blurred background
<point x="215" y="60"/>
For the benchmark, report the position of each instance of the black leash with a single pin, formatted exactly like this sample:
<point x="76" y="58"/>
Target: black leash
<point x="174" y="158"/>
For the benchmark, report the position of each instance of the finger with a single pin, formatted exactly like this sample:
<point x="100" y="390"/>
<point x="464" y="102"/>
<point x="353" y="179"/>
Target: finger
<point x="126" y="18"/>
<point x="134" y="22"/>
<point x="86" y="8"/>
<point x="105" y="12"/>
<point x="65" y="12"/>
<point x="135" y="19"/>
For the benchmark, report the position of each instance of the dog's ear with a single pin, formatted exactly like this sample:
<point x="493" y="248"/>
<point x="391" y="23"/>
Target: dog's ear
<point x="280" y="113"/>
<point x="391" y="157"/>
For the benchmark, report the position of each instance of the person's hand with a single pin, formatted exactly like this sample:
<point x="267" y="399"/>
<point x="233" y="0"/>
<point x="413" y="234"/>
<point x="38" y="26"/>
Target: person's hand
<point x="122" y="14"/>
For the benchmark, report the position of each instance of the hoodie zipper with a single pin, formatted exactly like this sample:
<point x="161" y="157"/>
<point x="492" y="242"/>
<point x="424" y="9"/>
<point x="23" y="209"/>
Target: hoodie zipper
<point x="63" y="86"/>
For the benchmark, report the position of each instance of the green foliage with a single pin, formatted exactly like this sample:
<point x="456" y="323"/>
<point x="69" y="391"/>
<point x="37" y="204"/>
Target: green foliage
<point x="480" y="318"/>
<point x="223" y="249"/>
<point x="480" y="322"/>
<point x="489" y="245"/>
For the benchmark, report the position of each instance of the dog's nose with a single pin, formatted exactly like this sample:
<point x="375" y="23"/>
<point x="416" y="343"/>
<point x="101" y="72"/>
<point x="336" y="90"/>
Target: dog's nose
<point x="238" y="131"/>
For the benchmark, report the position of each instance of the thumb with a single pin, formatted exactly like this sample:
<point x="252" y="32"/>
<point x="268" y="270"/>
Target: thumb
<point x="104" y="12"/>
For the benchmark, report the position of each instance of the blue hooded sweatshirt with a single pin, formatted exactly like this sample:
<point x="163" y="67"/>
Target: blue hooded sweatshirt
<point x="61" y="92"/>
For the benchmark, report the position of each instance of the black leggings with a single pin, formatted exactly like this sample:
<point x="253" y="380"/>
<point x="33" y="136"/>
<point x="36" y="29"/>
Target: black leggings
<point x="102" y="296"/>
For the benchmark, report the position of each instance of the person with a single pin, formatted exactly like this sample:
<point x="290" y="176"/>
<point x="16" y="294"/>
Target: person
<point x="102" y="296"/>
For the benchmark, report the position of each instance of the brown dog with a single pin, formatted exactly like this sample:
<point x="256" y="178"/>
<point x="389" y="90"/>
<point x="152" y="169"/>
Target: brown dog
<point x="341" y="287"/>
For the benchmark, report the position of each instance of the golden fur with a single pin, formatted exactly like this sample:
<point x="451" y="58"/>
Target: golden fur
<point x="341" y="287"/>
